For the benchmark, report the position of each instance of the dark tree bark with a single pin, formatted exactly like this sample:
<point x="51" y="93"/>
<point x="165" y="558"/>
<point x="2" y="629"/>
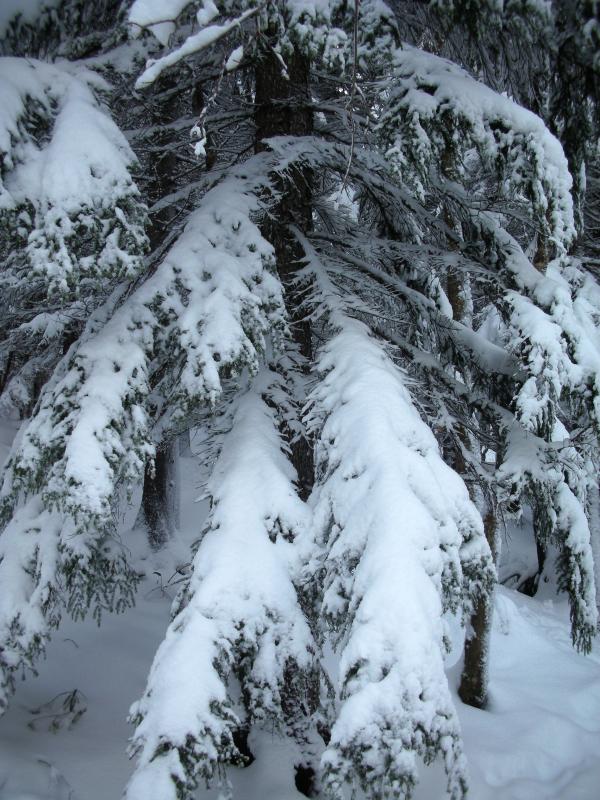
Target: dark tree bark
<point x="6" y="371"/>
<point x="529" y="585"/>
<point x="473" y="688"/>
<point x="282" y="109"/>
<point x="159" y="511"/>
<point x="474" y="679"/>
<point x="163" y="168"/>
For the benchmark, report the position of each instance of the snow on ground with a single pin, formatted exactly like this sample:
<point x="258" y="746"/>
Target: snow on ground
<point x="539" y="740"/>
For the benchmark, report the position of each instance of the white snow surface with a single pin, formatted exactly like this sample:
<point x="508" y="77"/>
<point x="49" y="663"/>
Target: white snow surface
<point x="539" y="740"/>
<point x="157" y="15"/>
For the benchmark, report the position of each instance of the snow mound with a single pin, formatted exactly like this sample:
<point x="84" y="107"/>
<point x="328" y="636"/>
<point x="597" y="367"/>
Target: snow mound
<point x="540" y="737"/>
<point x="33" y="779"/>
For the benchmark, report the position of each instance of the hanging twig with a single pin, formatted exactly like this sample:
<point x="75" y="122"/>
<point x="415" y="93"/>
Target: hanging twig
<point x="352" y="96"/>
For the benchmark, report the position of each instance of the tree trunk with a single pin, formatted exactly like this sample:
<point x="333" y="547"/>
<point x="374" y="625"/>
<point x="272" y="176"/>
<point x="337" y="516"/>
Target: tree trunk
<point x="474" y="679"/>
<point x="541" y="256"/>
<point x="529" y="585"/>
<point x="473" y="688"/>
<point x="594" y="517"/>
<point x="6" y="371"/>
<point x="159" y="511"/>
<point x="282" y="109"/>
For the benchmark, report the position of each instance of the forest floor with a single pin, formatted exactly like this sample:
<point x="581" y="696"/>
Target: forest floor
<point x="538" y="740"/>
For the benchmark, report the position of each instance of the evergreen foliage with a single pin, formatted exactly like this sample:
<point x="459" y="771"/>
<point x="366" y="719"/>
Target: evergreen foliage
<point x="330" y="232"/>
<point x="238" y="622"/>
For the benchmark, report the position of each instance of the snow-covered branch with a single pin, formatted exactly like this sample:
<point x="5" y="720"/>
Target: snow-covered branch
<point x="401" y="542"/>
<point x="239" y="650"/>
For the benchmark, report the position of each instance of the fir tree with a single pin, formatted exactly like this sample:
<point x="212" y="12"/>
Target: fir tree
<point x="361" y="229"/>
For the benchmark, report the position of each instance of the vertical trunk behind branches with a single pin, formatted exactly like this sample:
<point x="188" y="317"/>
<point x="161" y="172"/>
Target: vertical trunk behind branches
<point x="283" y="109"/>
<point x="474" y="679"/>
<point x="159" y="511"/>
<point x="529" y="585"/>
<point x="594" y="517"/>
